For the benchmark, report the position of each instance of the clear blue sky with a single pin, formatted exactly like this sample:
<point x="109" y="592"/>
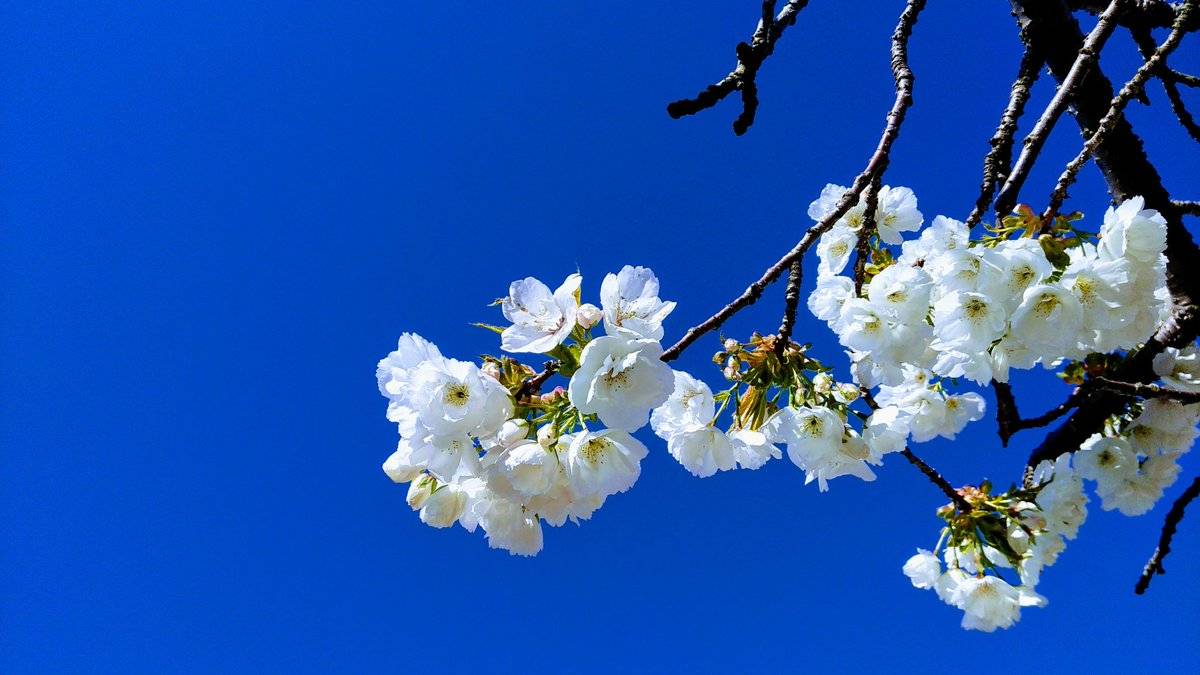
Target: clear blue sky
<point x="218" y="216"/>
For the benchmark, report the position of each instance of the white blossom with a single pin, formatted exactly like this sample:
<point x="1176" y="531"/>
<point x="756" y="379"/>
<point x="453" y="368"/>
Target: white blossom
<point x="621" y="379"/>
<point x="751" y="449"/>
<point x="603" y="462"/>
<point x="1131" y="231"/>
<point x="834" y="249"/>
<point x="702" y="450"/>
<point x="690" y="404"/>
<point x="967" y="320"/>
<point x="1047" y="319"/>
<point x="923" y="569"/>
<point x="631" y="304"/>
<point x="1179" y="368"/>
<point x="541" y="320"/>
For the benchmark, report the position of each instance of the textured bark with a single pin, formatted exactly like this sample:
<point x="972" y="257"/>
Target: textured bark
<point x="1049" y="27"/>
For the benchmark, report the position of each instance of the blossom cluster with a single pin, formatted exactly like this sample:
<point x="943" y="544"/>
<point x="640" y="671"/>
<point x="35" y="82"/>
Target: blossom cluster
<point x="1135" y="458"/>
<point x="478" y="449"/>
<point x="1017" y="534"/>
<point x="976" y="309"/>
<point x="482" y="445"/>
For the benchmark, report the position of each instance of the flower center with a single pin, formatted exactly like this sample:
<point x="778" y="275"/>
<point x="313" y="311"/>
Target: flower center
<point x="456" y="395"/>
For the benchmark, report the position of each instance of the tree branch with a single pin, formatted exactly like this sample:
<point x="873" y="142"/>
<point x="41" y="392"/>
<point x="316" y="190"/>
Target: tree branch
<point x="1141" y="390"/>
<point x="1187" y="208"/>
<point x="1170" y="78"/>
<point x="534" y="384"/>
<point x="875" y="166"/>
<point x="1085" y="58"/>
<point x="744" y="75"/>
<point x="1141" y="13"/>
<point x="1009" y="421"/>
<point x="1156" y="59"/>
<point x="1049" y="26"/>
<point x="999" y="158"/>
<point x="791" y="302"/>
<point x="1174" y="517"/>
<point x="937" y="479"/>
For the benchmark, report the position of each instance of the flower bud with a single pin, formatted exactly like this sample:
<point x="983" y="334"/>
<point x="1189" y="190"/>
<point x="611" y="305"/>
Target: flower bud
<point x="419" y="491"/>
<point x="492" y="370"/>
<point x="512" y="431"/>
<point x="588" y="315"/>
<point x="846" y="393"/>
<point x="731" y="345"/>
<point x="396" y="468"/>
<point x="554" y="395"/>
<point x="443" y="506"/>
<point x="546" y="437"/>
<point x="823" y="383"/>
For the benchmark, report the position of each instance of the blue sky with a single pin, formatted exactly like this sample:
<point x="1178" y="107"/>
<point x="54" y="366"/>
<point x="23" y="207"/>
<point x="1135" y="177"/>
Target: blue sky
<point x="218" y="216"/>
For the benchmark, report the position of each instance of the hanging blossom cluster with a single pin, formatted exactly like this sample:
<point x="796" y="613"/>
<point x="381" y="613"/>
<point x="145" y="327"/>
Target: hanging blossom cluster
<point x="1135" y="458"/>
<point x="1014" y="534"/>
<point x="482" y="446"/>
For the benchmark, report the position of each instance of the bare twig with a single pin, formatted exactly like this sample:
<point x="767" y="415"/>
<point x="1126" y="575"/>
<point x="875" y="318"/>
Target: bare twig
<point x="743" y="77"/>
<point x="1009" y="421"/>
<point x="1187" y="208"/>
<point x="1141" y="390"/>
<point x="1154" y="61"/>
<point x="1170" y="524"/>
<point x="875" y="166"/>
<point x="998" y="159"/>
<point x="1088" y="53"/>
<point x="936" y="479"/>
<point x="1171" y="79"/>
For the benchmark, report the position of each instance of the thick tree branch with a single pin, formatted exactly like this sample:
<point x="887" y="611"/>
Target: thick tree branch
<point x="999" y="158"/>
<point x="1049" y="26"/>
<point x="1141" y="13"/>
<point x="743" y="77"/>
<point x="1170" y="524"/>
<point x="1154" y="62"/>
<point x="1085" y="58"/>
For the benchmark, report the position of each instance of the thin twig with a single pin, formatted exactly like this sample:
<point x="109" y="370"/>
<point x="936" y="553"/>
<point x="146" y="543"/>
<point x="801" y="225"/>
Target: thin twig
<point x="1109" y="121"/>
<point x="1084" y="60"/>
<point x="791" y="302"/>
<point x="1171" y="79"/>
<point x="1009" y="421"/>
<point x="1141" y="390"/>
<point x="875" y="165"/>
<point x="534" y="384"/>
<point x="1170" y="524"/>
<point x="1187" y="208"/>
<point x="999" y="158"/>
<point x="936" y="479"/>
<point x="743" y="77"/>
